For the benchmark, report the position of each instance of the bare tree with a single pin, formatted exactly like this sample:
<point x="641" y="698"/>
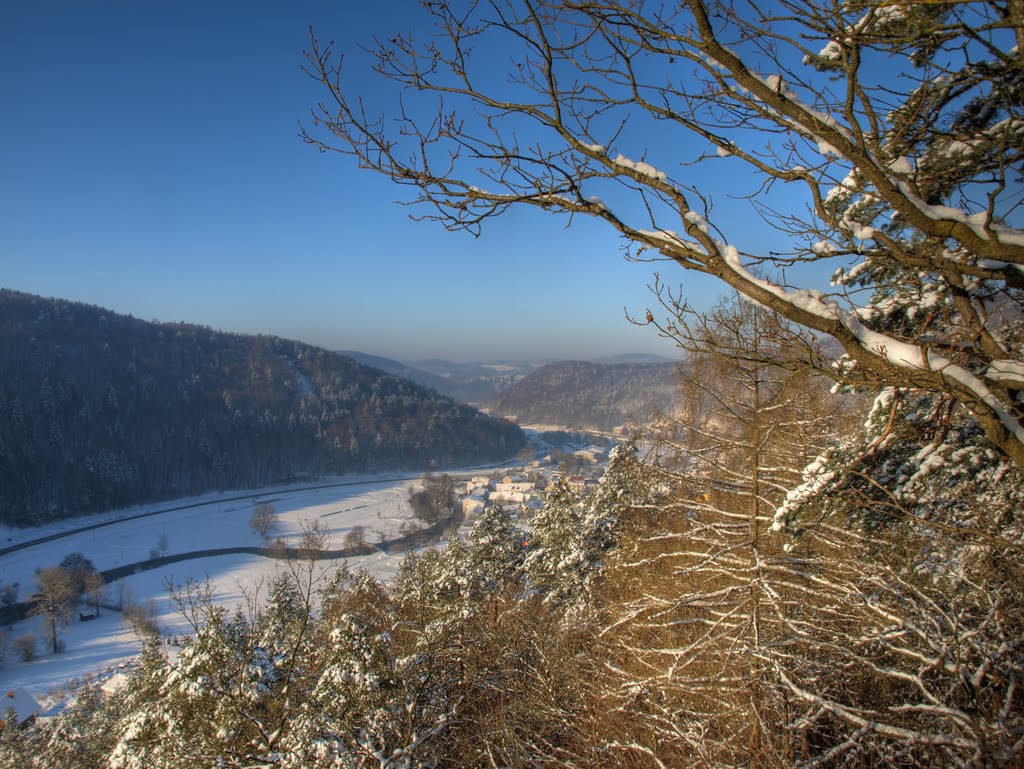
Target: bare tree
<point x="54" y="600"/>
<point x="847" y="644"/>
<point x="699" y="589"/>
<point x="883" y="140"/>
<point x="95" y="589"/>
<point x="159" y="550"/>
<point x="78" y="567"/>
<point x="356" y="539"/>
<point x="141" y="618"/>
<point x="263" y="520"/>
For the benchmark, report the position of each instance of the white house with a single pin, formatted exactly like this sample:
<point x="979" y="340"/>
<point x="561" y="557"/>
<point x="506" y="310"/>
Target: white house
<point x="472" y="506"/>
<point x="22" y="703"/>
<point x="508" y="485"/>
<point x="115" y="682"/>
<point x="502" y="497"/>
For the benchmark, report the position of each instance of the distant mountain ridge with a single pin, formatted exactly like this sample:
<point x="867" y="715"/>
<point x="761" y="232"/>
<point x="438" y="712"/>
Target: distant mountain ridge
<point x="633" y="357"/>
<point x="581" y="394"/>
<point x="467" y="382"/>
<point x="99" y="410"/>
<point x="478" y="382"/>
<point x="399" y="369"/>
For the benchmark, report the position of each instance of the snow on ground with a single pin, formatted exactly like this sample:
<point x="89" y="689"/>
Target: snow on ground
<point x="13" y="536"/>
<point x="92" y="646"/>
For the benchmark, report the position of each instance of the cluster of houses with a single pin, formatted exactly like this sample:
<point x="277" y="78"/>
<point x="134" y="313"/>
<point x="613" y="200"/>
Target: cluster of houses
<point x="512" y="491"/>
<point x="522" y="490"/>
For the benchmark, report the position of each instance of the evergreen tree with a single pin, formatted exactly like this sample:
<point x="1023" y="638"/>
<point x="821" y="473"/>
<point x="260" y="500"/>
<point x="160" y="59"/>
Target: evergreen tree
<point x="494" y="556"/>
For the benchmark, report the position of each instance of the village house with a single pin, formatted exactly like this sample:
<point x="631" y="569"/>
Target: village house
<point x="477" y="482"/>
<point x="23" y="705"/>
<point x="531" y="506"/>
<point x="507" y="497"/>
<point x="472" y="506"/>
<point x="512" y="485"/>
<point x="577" y="483"/>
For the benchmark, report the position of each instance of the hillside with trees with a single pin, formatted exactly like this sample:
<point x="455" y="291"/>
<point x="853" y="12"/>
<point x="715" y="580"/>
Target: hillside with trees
<point x="816" y="562"/>
<point x="659" y="621"/>
<point x="99" y="410"/>
<point x="583" y="395"/>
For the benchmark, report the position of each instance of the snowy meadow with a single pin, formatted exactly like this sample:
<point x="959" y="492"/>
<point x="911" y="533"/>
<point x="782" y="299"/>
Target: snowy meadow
<point x="214" y="522"/>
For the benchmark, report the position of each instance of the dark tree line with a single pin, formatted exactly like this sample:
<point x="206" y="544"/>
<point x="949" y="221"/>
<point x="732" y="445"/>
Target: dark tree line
<point x="100" y="410"/>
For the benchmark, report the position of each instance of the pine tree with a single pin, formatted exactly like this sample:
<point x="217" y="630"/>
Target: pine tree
<point x="494" y="556"/>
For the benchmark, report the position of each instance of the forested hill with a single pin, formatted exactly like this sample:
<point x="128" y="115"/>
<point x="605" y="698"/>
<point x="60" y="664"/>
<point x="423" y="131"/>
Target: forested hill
<point x="100" y="410"/>
<point x="594" y="395"/>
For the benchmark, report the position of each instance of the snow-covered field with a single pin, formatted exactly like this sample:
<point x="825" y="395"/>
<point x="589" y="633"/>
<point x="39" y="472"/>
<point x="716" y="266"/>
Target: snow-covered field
<point x="380" y="506"/>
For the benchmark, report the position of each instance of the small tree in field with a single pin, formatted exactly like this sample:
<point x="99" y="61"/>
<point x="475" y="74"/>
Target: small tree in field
<point x="263" y="520"/>
<point x="54" y="600"/>
<point x="95" y="590"/>
<point x="356" y="539"/>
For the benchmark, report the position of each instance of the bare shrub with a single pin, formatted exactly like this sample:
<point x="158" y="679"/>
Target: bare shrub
<point x="141" y="618"/>
<point x="26" y="646"/>
<point x="264" y="520"/>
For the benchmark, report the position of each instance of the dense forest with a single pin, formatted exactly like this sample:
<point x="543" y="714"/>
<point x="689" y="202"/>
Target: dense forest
<point x="100" y="410"/>
<point x="590" y="395"/>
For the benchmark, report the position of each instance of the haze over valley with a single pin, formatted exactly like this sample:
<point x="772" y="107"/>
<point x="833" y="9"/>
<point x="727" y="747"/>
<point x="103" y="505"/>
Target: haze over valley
<point x="435" y="384"/>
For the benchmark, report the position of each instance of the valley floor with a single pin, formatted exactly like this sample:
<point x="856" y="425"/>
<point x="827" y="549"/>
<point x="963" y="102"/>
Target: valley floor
<point x="379" y="505"/>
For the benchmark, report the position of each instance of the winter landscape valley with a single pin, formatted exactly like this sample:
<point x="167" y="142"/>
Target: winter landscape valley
<point x="364" y="524"/>
<point x="493" y="384"/>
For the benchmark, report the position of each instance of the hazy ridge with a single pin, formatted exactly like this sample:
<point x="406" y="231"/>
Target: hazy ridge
<point x="590" y="395"/>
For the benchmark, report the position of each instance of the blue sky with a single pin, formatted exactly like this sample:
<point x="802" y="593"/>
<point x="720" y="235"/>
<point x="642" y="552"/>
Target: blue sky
<point x="151" y="164"/>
